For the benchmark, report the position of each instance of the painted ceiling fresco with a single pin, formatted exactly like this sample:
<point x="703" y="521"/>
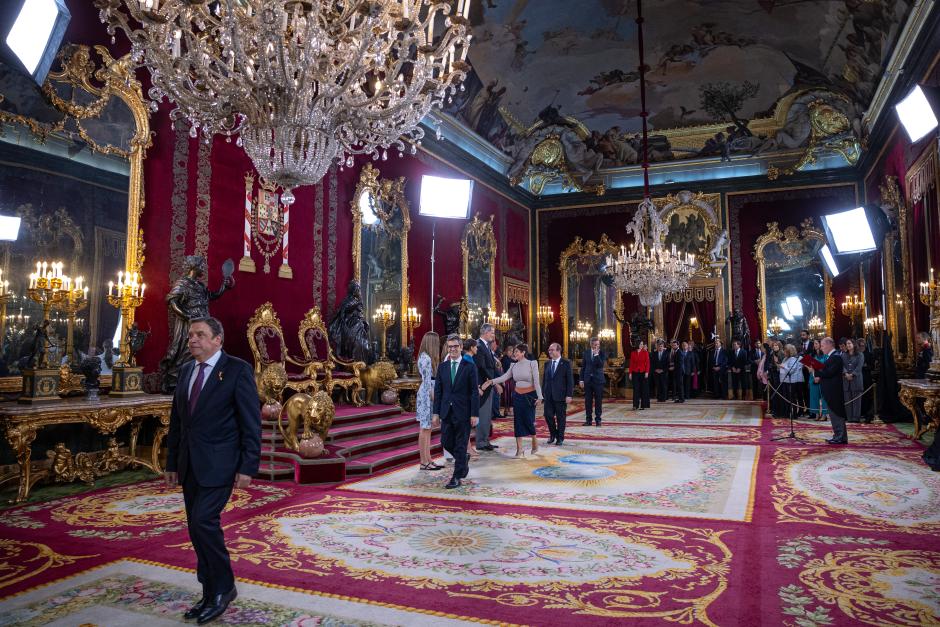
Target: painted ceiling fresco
<point x="718" y="66"/>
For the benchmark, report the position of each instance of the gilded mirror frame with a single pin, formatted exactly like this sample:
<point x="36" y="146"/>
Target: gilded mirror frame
<point x="898" y="313"/>
<point x="576" y="250"/>
<point x="393" y="193"/>
<point x="791" y="238"/>
<point x="103" y="77"/>
<point x="480" y="235"/>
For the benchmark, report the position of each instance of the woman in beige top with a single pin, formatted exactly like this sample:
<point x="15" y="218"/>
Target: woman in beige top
<point x="525" y="398"/>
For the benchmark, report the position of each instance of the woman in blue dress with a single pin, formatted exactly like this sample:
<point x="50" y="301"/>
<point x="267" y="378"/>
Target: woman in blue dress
<point x="818" y="410"/>
<point x="428" y="360"/>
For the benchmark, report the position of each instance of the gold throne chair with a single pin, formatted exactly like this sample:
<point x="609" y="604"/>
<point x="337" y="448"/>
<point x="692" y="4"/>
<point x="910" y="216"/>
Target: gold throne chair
<point x="325" y="366"/>
<point x="266" y="339"/>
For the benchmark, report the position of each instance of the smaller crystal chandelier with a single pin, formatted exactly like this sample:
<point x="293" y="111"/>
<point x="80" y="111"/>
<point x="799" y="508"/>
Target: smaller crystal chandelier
<point x="648" y="268"/>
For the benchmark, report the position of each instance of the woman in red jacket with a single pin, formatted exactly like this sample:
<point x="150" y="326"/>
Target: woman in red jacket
<point x="640" y="374"/>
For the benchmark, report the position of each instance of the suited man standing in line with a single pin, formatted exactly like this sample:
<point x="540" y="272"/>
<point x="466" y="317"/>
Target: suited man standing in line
<point x="456" y="406"/>
<point x="689" y="366"/>
<point x="592" y="381"/>
<point x="486" y="369"/>
<point x="739" y="381"/>
<point x="557" y="390"/>
<point x="677" y="370"/>
<point x="718" y="361"/>
<point x="754" y="357"/>
<point x="829" y="379"/>
<point x="213" y="446"/>
<point x="660" y="365"/>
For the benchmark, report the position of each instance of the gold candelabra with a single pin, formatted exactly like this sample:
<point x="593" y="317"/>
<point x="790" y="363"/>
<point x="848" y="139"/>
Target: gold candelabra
<point x="693" y="324"/>
<point x="384" y="316"/>
<point x="127" y="295"/>
<point x="775" y="326"/>
<point x="816" y="326"/>
<point x="48" y="287"/>
<point x="543" y="318"/>
<point x="503" y="323"/>
<point x="853" y="308"/>
<point x="5" y="297"/>
<point x="930" y="296"/>
<point x="76" y="299"/>
<point x="412" y="319"/>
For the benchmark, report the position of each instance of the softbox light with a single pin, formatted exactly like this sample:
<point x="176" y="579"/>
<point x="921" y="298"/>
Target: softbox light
<point x="36" y="34"/>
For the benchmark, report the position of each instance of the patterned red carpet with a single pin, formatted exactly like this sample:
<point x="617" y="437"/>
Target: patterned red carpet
<point x="652" y="518"/>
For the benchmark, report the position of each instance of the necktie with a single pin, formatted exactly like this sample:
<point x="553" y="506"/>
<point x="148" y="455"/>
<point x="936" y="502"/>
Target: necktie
<point x="453" y="370"/>
<point x="197" y="388"/>
<point x="554" y="365"/>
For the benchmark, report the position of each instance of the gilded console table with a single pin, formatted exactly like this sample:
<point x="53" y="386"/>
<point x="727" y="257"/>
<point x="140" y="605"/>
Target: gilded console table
<point x="20" y="424"/>
<point x="914" y="390"/>
<point x="406" y="384"/>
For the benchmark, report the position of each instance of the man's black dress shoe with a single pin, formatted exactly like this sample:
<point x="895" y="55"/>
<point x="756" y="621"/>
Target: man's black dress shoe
<point x="551" y="441"/>
<point x="216" y="606"/>
<point x="494" y="446"/>
<point x="195" y="610"/>
<point x="453" y="483"/>
<point x="559" y="442"/>
<point x="597" y="424"/>
<point x="834" y="441"/>
<point x="487" y="447"/>
<point x="587" y="424"/>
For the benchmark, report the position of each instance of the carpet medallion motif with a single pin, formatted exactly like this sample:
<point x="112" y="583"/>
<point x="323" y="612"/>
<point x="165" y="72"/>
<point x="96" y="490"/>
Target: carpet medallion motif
<point x="856" y="489"/>
<point x="590" y="566"/>
<point x="859" y="579"/>
<point x="694" y="480"/>
<point x="137" y="511"/>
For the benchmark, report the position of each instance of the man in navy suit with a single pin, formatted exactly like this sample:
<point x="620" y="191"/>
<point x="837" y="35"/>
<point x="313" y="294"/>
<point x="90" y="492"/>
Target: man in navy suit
<point x="213" y="446"/>
<point x="830" y="385"/>
<point x="592" y="381"/>
<point x="739" y="379"/>
<point x="557" y="389"/>
<point x="659" y="362"/>
<point x="457" y="406"/>
<point x="486" y="369"/>
<point x="718" y="360"/>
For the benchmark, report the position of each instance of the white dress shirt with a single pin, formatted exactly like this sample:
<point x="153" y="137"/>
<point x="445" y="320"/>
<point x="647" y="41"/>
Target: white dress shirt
<point x="210" y="366"/>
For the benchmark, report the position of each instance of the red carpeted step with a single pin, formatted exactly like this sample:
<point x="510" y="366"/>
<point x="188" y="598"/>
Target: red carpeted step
<point x="357" y="448"/>
<point x="374" y="462"/>
<point x="346" y="415"/>
<point x="346" y="432"/>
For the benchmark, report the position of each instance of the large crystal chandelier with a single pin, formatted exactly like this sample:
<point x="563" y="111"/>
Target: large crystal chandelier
<point x="648" y="268"/>
<point x="301" y="83"/>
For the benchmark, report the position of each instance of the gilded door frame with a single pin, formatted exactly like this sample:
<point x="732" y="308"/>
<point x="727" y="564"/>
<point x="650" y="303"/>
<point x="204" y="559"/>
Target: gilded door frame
<point x="484" y="236"/>
<point x="392" y="191"/>
<point x="589" y="248"/>
<point x="789" y="237"/>
<point x="897" y="287"/>
<point x="104" y="78"/>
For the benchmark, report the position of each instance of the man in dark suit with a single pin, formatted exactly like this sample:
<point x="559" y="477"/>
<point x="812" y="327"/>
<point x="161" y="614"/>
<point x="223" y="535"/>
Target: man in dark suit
<point x="718" y="369"/>
<point x="739" y="382"/>
<point x="830" y="385"/>
<point x="659" y="363"/>
<point x="486" y="370"/>
<point x="213" y="446"/>
<point x="677" y="368"/>
<point x="557" y="390"/>
<point x="456" y="406"/>
<point x="592" y="381"/>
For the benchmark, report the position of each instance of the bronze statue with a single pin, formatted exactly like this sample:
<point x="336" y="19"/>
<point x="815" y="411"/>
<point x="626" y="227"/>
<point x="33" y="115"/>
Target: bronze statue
<point x="90" y="366"/>
<point x="349" y="330"/>
<point x="135" y="341"/>
<point x="188" y="299"/>
<point x="739" y="327"/>
<point x="450" y="316"/>
<point x="38" y="357"/>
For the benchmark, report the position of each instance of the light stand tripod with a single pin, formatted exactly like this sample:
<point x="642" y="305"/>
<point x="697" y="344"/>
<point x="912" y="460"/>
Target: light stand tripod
<point x="792" y="435"/>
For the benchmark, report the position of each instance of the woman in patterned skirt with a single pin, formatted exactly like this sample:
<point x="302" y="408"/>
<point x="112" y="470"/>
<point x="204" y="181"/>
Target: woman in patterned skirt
<point x="428" y="360"/>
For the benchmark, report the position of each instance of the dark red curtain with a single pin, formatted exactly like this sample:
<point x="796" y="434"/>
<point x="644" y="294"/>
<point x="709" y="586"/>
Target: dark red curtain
<point x="706" y="312"/>
<point x="675" y="317"/>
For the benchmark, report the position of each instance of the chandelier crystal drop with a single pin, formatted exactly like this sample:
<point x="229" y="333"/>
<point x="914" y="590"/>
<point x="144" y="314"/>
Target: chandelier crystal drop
<point x="303" y="83"/>
<point x="648" y="268"/>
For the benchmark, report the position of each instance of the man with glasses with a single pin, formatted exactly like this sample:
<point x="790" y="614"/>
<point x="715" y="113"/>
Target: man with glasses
<point x="457" y="406"/>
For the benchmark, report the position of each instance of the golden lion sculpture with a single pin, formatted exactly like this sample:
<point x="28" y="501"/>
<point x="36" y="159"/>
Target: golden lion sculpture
<point x="311" y="414"/>
<point x="376" y="378"/>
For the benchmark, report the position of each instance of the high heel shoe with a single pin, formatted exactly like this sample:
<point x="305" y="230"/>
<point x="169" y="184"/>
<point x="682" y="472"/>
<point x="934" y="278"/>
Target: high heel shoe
<point x="534" y="451"/>
<point x="520" y="454"/>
